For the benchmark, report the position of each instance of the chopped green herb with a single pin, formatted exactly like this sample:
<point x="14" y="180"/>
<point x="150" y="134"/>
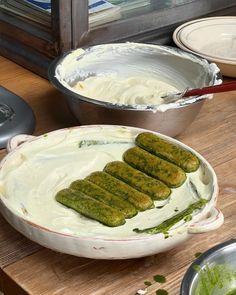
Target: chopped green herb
<point x="161" y="292"/>
<point x="198" y="254"/>
<point x="176" y="210"/>
<point x="45" y="135"/>
<point x="87" y="143"/>
<point x="147" y="283"/>
<point x="159" y="278"/>
<point x="167" y="224"/>
<point x="159" y="207"/>
<point x="166" y="235"/>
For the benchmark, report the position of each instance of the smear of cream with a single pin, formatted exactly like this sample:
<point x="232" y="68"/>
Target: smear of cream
<point x="128" y="91"/>
<point x="134" y="75"/>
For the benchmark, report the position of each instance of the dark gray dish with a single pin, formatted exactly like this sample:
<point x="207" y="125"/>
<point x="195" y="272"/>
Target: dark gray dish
<point x="16" y="116"/>
<point x="223" y="254"/>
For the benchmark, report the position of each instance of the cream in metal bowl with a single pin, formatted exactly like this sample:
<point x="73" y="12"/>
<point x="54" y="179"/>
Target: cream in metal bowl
<point x="33" y="172"/>
<point x="123" y="83"/>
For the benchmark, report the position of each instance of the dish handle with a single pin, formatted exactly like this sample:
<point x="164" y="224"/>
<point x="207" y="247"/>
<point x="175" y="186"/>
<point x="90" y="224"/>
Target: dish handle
<point x="17" y="140"/>
<point x="212" y="222"/>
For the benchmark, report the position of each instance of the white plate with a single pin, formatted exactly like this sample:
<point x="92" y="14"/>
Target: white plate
<point x="206" y="37"/>
<point x="215" y="37"/>
<point x="32" y="173"/>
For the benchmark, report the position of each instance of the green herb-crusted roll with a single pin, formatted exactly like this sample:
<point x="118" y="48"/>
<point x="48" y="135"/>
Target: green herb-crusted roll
<point x="156" y="189"/>
<point x="90" y="207"/>
<point x="168" y="151"/>
<point x="104" y="196"/>
<point x="170" y="174"/>
<point x="140" y="200"/>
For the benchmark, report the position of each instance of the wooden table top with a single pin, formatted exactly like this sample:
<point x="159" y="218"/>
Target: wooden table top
<point x="27" y="268"/>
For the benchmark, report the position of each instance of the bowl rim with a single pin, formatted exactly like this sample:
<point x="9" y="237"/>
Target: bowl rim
<point x="191" y="273"/>
<point x="195" y="99"/>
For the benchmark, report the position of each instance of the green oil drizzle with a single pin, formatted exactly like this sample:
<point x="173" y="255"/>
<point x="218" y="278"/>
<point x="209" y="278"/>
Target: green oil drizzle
<point x="167" y="224"/>
<point x="214" y="279"/>
<point x="159" y="279"/>
<point x="232" y="292"/>
<point x="161" y="292"/>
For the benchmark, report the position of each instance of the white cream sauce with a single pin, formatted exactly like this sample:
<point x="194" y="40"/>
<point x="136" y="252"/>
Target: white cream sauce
<point x="117" y="74"/>
<point x="137" y="90"/>
<point x="32" y="175"/>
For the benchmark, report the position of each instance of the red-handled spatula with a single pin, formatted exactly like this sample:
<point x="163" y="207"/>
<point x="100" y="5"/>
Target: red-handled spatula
<point x="172" y="97"/>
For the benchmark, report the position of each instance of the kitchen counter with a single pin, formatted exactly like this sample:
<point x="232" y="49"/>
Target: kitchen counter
<point x="27" y="268"/>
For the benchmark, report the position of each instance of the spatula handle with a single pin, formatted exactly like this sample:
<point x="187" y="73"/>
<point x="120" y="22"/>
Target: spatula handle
<point x="230" y="86"/>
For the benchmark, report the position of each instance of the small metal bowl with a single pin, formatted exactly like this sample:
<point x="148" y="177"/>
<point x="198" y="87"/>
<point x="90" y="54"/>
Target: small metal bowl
<point x="223" y="257"/>
<point x="174" y="66"/>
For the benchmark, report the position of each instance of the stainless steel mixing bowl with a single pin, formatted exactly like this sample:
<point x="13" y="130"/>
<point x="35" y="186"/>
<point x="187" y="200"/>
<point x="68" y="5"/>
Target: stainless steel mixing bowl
<point x="219" y="265"/>
<point x="171" y="65"/>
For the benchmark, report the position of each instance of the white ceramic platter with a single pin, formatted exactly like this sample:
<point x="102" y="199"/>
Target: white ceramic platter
<point x="212" y="38"/>
<point x="32" y="173"/>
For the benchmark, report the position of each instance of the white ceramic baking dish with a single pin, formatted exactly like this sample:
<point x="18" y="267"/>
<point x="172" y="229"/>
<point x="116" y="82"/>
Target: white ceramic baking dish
<point x="37" y="167"/>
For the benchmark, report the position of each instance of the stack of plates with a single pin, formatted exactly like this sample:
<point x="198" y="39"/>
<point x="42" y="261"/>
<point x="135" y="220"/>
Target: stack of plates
<point x="213" y="38"/>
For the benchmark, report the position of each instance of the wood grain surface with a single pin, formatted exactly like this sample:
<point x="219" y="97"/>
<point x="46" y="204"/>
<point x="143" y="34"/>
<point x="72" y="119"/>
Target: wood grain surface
<point x="27" y="268"/>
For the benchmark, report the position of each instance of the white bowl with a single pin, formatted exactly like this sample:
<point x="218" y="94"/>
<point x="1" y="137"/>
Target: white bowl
<point x="213" y="38"/>
<point x="32" y="173"/>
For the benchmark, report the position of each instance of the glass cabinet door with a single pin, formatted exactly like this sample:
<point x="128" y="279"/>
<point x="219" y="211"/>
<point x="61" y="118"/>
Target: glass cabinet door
<point x="142" y="20"/>
<point x="32" y="35"/>
<point x="105" y="11"/>
<point x="32" y="11"/>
